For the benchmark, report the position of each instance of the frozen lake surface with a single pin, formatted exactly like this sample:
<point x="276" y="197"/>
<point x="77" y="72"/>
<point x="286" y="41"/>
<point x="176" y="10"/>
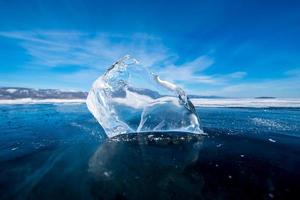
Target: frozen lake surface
<point x="58" y="151"/>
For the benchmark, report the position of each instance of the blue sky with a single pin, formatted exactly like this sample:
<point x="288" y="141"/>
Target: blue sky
<point x="228" y="48"/>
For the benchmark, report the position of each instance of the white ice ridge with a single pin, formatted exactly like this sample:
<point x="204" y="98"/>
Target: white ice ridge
<point x="128" y="98"/>
<point x="139" y="101"/>
<point x="248" y="102"/>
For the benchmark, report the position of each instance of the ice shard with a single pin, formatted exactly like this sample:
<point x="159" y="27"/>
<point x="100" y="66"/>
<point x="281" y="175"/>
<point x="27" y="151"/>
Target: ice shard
<point x="128" y="98"/>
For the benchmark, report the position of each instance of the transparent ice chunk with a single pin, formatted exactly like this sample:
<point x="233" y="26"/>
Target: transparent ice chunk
<point x="128" y="98"/>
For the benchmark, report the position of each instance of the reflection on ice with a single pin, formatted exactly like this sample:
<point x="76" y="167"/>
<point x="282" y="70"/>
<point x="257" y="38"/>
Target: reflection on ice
<point x="148" y="162"/>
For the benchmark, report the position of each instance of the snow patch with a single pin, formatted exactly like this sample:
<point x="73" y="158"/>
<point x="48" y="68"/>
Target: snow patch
<point x="11" y="90"/>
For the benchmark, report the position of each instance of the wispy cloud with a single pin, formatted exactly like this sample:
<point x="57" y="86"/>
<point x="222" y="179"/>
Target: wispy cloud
<point x="93" y="53"/>
<point x="56" y="49"/>
<point x="194" y="72"/>
<point x="289" y="86"/>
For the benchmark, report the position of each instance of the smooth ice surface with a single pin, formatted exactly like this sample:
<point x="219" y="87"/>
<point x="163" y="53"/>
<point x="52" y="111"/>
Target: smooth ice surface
<point x="128" y="90"/>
